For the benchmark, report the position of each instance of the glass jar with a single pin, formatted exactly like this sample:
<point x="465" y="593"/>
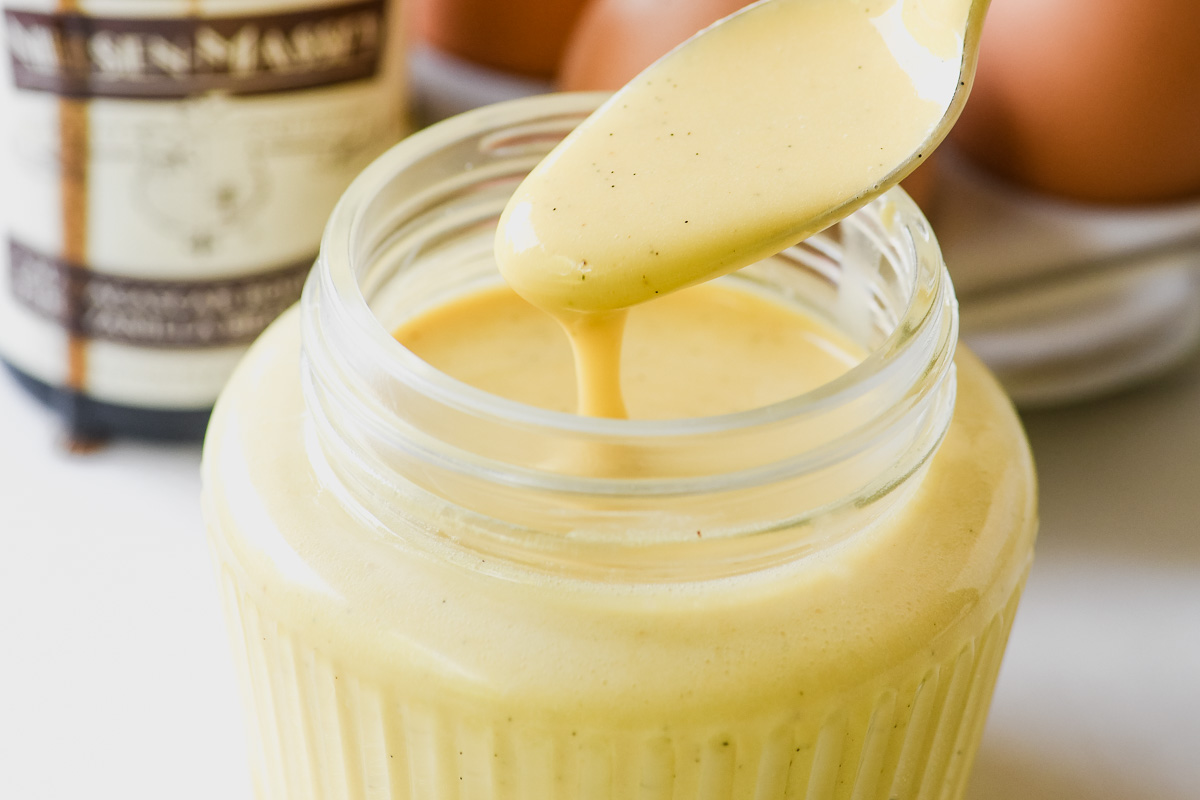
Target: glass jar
<point x="806" y="600"/>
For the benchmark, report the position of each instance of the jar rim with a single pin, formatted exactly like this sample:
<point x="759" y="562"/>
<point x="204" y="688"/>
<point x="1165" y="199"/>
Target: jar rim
<point x="335" y="269"/>
<point x="389" y="432"/>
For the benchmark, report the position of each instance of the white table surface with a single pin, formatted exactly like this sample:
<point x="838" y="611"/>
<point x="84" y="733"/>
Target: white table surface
<point x="115" y="681"/>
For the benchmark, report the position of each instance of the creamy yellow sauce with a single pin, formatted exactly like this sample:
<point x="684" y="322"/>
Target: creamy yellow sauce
<point x="704" y="351"/>
<point x="746" y="139"/>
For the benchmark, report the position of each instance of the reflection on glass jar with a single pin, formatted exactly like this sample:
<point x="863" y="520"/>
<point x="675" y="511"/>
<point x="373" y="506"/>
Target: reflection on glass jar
<point x="423" y="606"/>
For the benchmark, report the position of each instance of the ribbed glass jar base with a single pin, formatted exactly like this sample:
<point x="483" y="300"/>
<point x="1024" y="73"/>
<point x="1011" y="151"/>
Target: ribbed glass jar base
<point x="319" y="732"/>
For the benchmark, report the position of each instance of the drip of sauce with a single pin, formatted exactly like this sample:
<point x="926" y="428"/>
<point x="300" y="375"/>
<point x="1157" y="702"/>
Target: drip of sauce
<point x="751" y="136"/>
<point x="596" y="342"/>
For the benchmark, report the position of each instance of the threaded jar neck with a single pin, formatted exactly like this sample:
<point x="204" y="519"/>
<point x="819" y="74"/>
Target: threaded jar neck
<point x="410" y="448"/>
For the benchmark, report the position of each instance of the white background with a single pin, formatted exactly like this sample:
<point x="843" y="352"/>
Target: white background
<point x="115" y="679"/>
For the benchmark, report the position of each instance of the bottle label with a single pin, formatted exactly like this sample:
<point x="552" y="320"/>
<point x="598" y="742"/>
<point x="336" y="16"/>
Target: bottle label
<point x="166" y="179"/>
<point x="151" y="313"/>
<point x="175" y="57"/>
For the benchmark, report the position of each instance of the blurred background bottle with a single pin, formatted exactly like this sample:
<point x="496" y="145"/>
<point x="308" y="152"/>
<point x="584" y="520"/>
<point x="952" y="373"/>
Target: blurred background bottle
<point x="166" y="174"/>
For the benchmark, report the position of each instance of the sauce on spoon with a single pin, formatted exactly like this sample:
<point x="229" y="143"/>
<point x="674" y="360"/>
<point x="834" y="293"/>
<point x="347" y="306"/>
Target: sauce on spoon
<point x="756" y="133"/>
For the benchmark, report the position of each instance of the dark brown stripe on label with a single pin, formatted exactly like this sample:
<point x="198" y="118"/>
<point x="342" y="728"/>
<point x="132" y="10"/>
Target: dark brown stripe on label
<point x="172" y="57"/>
<point x="152" y="313"/>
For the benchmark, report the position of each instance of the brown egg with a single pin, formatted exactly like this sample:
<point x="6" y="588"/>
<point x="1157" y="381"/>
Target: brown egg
<point x="1095" y="100"/>
<point x="522" y="36"/>
<point x="614" y="40"/>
